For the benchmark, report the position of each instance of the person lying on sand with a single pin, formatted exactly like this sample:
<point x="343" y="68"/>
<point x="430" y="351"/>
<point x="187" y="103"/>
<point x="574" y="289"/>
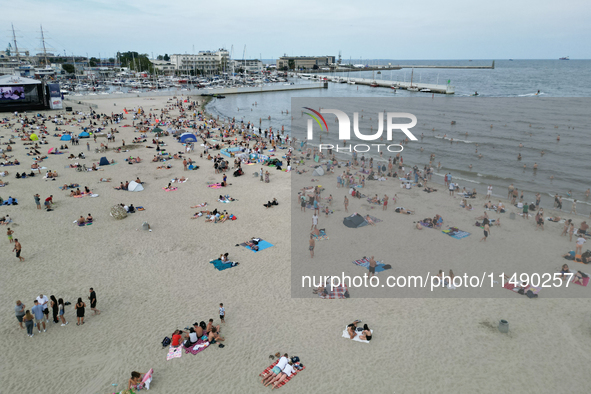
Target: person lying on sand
<point x="404" y="211"/>
<point x="429" y="189"/>
<point x="579" y="277"/>
<point x="351" y="329"/>
<point x="368" y="220"/>
<point x="105" y="180"/>
<point x="485" y="216"/>
<point x="269" y="204"/>
<point x="200" y="205"/>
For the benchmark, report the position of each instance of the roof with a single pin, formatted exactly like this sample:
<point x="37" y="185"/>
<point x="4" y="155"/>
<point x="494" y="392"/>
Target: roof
<point x="8" y="80"/>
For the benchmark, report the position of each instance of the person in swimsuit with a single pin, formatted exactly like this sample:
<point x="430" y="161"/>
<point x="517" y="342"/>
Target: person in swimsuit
<point x="385" y="207"/>
<point x="365" y="334"/>
<point x="312" y="245"/>
<point x="486" y="230"/>
<point x="351" y="329"/>
<point x="80" y="305"/>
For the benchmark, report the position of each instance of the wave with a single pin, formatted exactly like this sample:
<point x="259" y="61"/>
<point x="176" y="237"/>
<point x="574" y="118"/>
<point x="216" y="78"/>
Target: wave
<point x="455" y="140"/>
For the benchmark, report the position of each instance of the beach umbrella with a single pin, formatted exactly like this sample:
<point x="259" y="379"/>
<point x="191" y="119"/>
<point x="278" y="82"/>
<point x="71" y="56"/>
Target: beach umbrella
<point x="118" y="212"/>
<point x="188" y="137"/>
<point x="50" y="150"/>
<point x="34" y="137"/>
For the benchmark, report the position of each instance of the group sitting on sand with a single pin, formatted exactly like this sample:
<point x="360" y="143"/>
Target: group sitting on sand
<point x="82" y="221"/>
<point x="77" y="192"/>
<point x="199" y="331"/>
<point x="365" y="333"/>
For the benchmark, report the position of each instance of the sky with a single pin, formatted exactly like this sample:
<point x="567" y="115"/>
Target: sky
<point x="423" y="29"/>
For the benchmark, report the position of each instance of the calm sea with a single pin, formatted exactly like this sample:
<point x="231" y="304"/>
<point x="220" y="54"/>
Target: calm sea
<point x="566" y="161"/>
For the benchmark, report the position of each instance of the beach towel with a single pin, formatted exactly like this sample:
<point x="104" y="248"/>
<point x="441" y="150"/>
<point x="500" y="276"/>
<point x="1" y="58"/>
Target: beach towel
<point x="321" y="237"/>
<point x="172" y="189"/>
<point x="197" y="347"/>
<point x="262" y="245"/>
<point x="220" y="265"/>
<point x="140" y="208"/>
<point x="455" y="233"/>
<point x="585" y="281"/>
<point x="215" y="185"/>
<point x="282" y="383"/>
<point x="364" y="262"/>
<point x="336" y="293"/>
<point x="376" y="203"/>
<point x="357" y="335"/>
<point x="174" y="352"/>
<point x="179" y="181"/>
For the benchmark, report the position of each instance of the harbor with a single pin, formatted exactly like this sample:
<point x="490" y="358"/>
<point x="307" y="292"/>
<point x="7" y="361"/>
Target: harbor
<point x="394" y="85"/>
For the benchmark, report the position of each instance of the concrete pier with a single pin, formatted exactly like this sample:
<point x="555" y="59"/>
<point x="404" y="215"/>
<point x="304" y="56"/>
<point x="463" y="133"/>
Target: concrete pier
<point x="392" y="67"/>
<point x="441" y="89"/>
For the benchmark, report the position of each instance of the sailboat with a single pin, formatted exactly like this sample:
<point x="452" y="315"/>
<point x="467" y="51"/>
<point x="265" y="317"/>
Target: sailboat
<point x="374" y="83"/>
<point x="348" y="74"/>
<point x="412" y="88"/>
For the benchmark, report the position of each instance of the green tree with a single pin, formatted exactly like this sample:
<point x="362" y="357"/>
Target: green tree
<point x="93" y="61"/>
<point x="166" y="57"/>
<point x="159" y="57"/>
<point x="69" y="68"/>
<point x="291" y="64"/>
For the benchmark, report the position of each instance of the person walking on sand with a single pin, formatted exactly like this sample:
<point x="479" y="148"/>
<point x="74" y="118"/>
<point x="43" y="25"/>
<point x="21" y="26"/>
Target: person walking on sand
<point x="222" y="313"/>
<point x="60" y="302"/>
<point x="489" y="192"/>
<point x="92" y="299"/>
<point x="17" y="249"/>
<point x="579" y="247"/>
<point x="37" y="198"/>
<point x="9" y="233"/>
<point x="314" y="222"/>
<point x="312" y="245"/>
<point x="573" y="208"/>
<point x="385" y="206"/>
<point x="261" y="174"/>
<point x="346" y="204"/>
<point x="486" y="230"/>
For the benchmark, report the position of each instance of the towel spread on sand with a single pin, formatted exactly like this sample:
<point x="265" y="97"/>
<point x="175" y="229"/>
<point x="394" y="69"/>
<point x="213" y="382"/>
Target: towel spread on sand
<point x="336" y="293"/>
<point x="197" y="347"/>
<point x="220" y="265"/>
<point x="456" y="233"/>
<point x="357" y="335"/>
<point x="283" y="382"/>
<point x="215" y="185"/>
<point x="321" y="237"/>
<point x="262" y="245"/>
<point x="174" y="352"/>
<point x="172" y="189"/>
<point x="364" y="262"/>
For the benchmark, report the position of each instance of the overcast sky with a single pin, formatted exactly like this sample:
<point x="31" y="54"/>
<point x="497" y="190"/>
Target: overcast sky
<point x="423" y="29"/>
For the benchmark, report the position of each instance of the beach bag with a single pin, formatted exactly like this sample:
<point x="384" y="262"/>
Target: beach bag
<point x="521" y="291"/>
<point x="295" y="359"/>
<point x="347" y="294"/>
<point x="387" y="267"/>
<point x="531" y="294"/>
<point x="166" y="342"/>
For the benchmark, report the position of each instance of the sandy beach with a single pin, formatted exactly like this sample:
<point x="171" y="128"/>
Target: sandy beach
<point x="150" y="283"/>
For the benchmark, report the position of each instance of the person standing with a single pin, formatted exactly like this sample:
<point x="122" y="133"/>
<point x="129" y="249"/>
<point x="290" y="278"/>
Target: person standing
<point x="510" y="189"/>
<point x="28" y="318"/>
<point x="44" y="301"/>
<point x="261" y="174"/>
<point x="18" y="247"/>
<point x="19" y="310"/>
<point x="9" y="233"/>
<point x="385" y="206"/>
<point x="62" y="311"/>
<point x="80" y="305"/>
<point x="579" y="247"/>
<point x="314" y="221"/>
<point x="39" y="318"/>
<point x="489" y="191"/>
<point x="573" y="208"/>
<point x="312" y="245"/>
<point x="37" y="198"/>
<point x="54" y="308"/>
<point x="486" y="230"/>
<point x="222" y="313"/>
<point x="372" y="266"/>
<point x="88" y="146"/>
<point x="346" y="204"/>
<point x="538" y="199"/>
<point x="525" y="211"/>
<point x="92" y="299"/>
<point x="452" y="188"/>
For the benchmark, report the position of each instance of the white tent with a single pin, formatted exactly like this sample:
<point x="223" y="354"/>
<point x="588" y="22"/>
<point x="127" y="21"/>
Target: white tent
<point x="9" y="80"/>
<point x="318" y="171"/>
<point x="135" y="187"/>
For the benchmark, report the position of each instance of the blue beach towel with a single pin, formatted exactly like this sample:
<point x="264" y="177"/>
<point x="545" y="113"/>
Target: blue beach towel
<point x="220" y="265"/>
<point x="262" y="246"/>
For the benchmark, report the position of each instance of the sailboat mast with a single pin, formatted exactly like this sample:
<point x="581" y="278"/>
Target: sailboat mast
<point x="18" y="56"/>
<point x="44" y="48"/>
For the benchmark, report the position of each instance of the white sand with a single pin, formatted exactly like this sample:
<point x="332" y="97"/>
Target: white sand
<point x="150" y="283"/>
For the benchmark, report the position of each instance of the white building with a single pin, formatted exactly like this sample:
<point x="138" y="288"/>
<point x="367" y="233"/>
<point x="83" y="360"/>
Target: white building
<point x="206" y="62"/>
<point x="163" y="66"/>
<point x="248" y="65"/>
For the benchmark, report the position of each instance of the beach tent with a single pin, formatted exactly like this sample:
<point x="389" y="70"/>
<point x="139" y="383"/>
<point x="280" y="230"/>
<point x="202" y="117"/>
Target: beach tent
<point x="135" y="187"/>
<point x="157" y="130"/>
<point x="84" y="134"/>
<point x="66" y="137"/>
<point x="188" y="137"/>
<point x="104" y="162"/>
<point x="354" y="221"/>
<point x="318" y="171"/>
<point x="118" y="212"/>
<point x="34" y="137"/>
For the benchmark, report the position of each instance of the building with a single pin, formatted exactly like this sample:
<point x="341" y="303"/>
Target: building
<point x="304" y="62"/>
<point x="163" y="66"/>
<point x="206" y="62"/>
<point x="249" y="65"/>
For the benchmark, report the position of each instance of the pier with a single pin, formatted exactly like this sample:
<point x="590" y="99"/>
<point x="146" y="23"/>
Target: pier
<point x="433" y="88"/>
<point x="341" y="69"/>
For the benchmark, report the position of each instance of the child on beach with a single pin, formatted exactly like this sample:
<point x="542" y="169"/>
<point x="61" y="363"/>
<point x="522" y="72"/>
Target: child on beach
<point x="222" y="313"/>
<point x="10" y="232"/>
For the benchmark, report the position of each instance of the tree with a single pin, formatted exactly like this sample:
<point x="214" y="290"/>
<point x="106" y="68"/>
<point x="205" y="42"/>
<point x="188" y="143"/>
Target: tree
<point x="315" y="67"/>
<point x="69" y="68"/>
<point x="166" y="57"/>
<point x="291" y="64"/>
<point x="93" y="61"/>
<point x="159" y="57"/>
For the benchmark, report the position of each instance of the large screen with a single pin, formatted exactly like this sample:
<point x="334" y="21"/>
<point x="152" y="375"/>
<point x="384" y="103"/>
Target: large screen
<point x="12" y="93"/>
